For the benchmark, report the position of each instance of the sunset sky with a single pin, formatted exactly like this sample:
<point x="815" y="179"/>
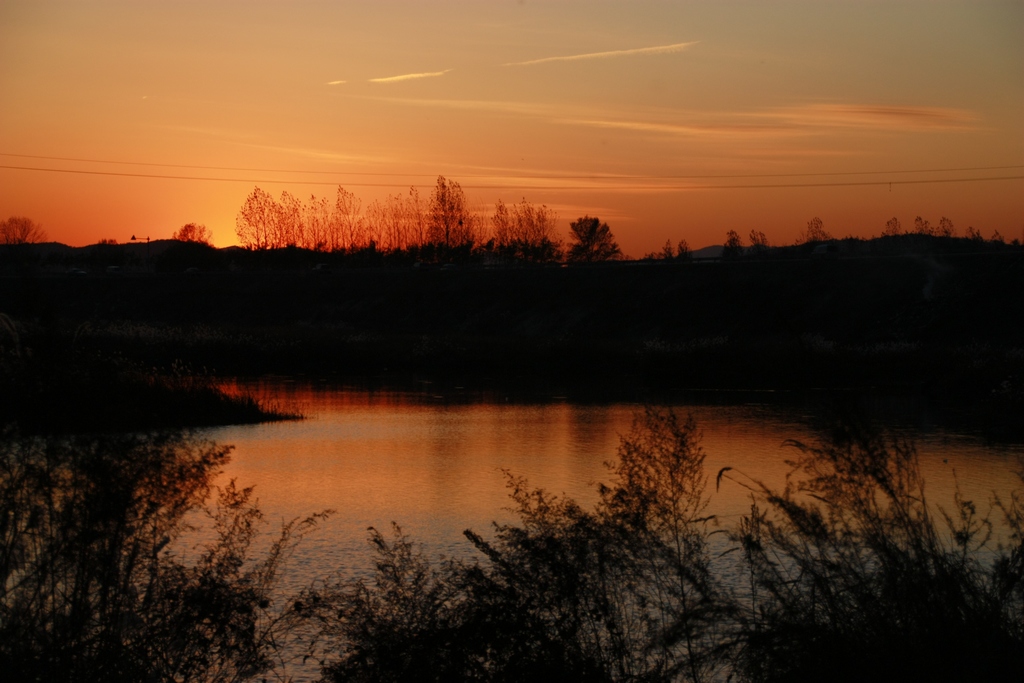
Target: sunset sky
<point x="665" y="119"/>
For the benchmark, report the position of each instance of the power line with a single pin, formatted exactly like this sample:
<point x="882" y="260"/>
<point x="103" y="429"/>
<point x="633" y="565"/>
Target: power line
<point x="207" y="168"/>
<point x="609" y="176"/>
<point x="863" y="183"/>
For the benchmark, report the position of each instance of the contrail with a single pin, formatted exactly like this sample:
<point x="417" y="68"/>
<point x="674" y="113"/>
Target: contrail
<point x="408" y="77"/>
<point x="656" y="50"/>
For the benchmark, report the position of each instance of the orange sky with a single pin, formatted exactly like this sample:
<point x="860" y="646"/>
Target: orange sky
<point x="647" y="114"/>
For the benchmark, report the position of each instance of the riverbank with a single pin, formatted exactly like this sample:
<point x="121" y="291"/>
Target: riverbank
<point x="52" y="388"/>
<point x="941" y="325"/>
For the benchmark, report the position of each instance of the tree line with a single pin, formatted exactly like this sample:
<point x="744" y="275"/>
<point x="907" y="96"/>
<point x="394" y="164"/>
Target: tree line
<point x="441" y="226"/>
<point x="816" y="234"/>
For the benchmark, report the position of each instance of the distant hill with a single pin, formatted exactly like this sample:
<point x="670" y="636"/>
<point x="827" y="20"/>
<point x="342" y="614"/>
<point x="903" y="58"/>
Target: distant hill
<point x="714" y="251"/>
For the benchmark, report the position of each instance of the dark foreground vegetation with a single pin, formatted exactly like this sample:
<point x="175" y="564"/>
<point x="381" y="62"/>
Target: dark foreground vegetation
<point x="50" y="386"/>
<point x="97" y="584"/>
<point x="848" y="573"/>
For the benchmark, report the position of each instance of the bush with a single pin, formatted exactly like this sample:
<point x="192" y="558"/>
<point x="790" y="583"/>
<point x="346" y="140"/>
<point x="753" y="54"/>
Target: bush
<point x="95" y="585"/>
<point x="854" y="578"/>
<point x="622" y="592"/>
<point x="851" y="577"/>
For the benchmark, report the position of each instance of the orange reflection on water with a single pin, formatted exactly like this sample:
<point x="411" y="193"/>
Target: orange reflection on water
<point x="438" y="467"/>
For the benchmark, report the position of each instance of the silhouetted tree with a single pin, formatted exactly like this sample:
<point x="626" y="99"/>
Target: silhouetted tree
<point x="974" y="234"/>
<point x="21" y="230"/>
<point x="525" y="232"/>
<point x="733" y="247"/>
<point x="451" y="223"/>
<point x="255" y="223"/>
<point x="288" y="226"/>
<point x="591" y="241"/>
<point x="683" y="250"/>
<point x="416" y="216"/>
<point x="316" y="216"/>
<point x="758" y="242"/>
<point x="346" y="222"/>
<point x="946" y="228"/>
<point x="666" y="253"/>
<point x="923" y="227"/>
<point x="892" y="228"/>
<point x="815" y="232"/>
<point x="193" y="232"/>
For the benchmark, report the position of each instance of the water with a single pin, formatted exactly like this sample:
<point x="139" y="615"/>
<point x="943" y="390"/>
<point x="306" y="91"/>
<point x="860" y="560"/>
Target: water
<point x="436" y="466"/>
<point x="439" y="464"/>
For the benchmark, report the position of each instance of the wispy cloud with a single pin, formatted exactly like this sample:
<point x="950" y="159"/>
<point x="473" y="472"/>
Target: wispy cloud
<point x="767" y="124"/>
<point x="408" y="77"/>
<point x="336" y="82"/>
<point x="656" y="50"/>
<point x="679" y="129"/>
<point x="875" y="116"/>
<point x="791" y="121"/>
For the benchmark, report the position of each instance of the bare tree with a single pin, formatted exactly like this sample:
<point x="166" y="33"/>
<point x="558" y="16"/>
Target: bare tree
<point x="525" y="231"/>
<point x="591" y="240"/>
<point x="451" y="223"/>
<point x="667" y="253"/>
<point x="683" y="250"/>
<point x="288" y="226"/>
<point x="21" y="230"/>
<point x="316" y="217"/>
<point x="346" y="223"/>
<point x="255" y="222"/>
<point x="733" y="247"/>
<point x="194" y="232"/>
<point x="923" y="227"/>
<point x="375" y="222"/>
<point x="502" y="225"/>
<point x="759" y="242"/>
<point x="416" y="217"/>
<point x="946" y="228"/>
<point x="892" y="227"/>
<point x="815" y="232"/>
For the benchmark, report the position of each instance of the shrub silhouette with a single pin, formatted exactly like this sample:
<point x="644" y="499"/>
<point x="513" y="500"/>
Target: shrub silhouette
<point x="851" y="577"/>
<point x="94" y="585"/>
<point x="621" y="592"/>
<point x="854" y="578"/>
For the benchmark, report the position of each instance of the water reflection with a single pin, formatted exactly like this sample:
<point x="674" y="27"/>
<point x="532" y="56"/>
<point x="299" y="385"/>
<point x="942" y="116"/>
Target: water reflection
<point x="436" y="466"/>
